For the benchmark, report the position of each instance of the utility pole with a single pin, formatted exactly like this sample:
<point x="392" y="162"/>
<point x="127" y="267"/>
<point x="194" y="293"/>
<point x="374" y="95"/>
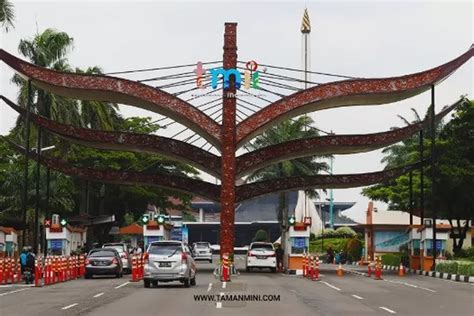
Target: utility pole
<point x="26" y="163"/>
<point x="433" y="171"/>
<point x="38" y="197"/>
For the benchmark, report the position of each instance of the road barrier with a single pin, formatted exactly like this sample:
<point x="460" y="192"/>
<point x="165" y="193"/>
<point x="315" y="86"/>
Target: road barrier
<point x="369" y="269"/>
<point x="10" y="270"/>
<point x="378" y="269"/>
<point x="138" y="265"/>
<point x="315" y="272"/>
<point x="305" y="264"/>
<point x="339" y="271"/>
<point x="225" y="275"/>
<point x="55" y="269"/>
<point x="401" y="270"/>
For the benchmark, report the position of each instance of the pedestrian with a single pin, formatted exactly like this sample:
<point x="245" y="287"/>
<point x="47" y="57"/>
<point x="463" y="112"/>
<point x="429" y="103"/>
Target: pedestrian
<point x="330" y="255"/>
<point x="279" y="257"/>
<point x="24" y="253"/>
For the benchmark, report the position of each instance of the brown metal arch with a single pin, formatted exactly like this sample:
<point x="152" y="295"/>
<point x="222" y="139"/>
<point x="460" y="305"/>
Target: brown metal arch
<point x="112" y="89"/>
<point x="325" y="145"/>
<point x="124" y="141"/>
<point x="343" y="181"/>
<point x="345" y="93"/>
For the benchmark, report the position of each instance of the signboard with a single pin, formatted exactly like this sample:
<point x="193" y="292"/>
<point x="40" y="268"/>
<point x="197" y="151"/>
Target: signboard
<point x="184" y="234"/>
<point x="299" y="242"/>
<point x="177" y="233"/>
<point x="307" y="220"/>
<point x="56" y="244"/>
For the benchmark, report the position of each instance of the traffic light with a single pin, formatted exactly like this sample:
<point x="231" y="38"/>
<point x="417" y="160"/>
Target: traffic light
<point x="291" y="221"/>
<point x="160" y="219"/>
<point x="63" y="222"/>
<point x="145" y="219"/>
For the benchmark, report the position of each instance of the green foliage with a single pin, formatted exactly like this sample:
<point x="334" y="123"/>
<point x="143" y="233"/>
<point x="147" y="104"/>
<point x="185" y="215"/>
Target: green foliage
<point x="312" y="237"/>
<point x="337" y="244"/>
<point x="466" y="269"/>
<point x="392" y="259"/>
<point x="261" y="235"/>
<point x="345" y="232"/>
<point x="447" y="267"/>
<point x="465" y="254"/>
<point x="354" y="249"/>
<point x="7" y="14"/>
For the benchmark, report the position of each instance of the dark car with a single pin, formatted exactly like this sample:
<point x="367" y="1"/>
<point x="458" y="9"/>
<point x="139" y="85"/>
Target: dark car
<point x="104" y="261"/>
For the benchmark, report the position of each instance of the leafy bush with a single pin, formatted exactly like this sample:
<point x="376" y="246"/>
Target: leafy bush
<point x="345" y="232"/>
<point x="392" y="259"/>
<point x="312" y="237"/>
<point x="261" y="235"/>
<point x="354" y="249"/>
<point x="447" y="267"/>
<point x="466" y="269"/>
<point x="337" y="244"/>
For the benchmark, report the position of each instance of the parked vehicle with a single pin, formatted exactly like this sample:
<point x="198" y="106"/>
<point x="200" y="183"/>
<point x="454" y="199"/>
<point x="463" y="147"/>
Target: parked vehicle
<point x="202" y="251"/>
<point x="167" y="261"/>
<point x="261" y="255"/>
<point x="103" y="261"/>
<point x="124" y="253"/>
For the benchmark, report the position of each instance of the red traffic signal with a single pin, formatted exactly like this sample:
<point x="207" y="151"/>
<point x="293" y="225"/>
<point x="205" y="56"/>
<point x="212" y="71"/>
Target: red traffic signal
<point x="47" y="222"/>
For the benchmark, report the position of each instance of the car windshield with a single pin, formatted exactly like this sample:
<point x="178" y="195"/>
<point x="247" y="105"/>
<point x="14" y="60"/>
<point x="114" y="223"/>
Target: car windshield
<point x="202" y="245"/>
<point x="262" y="247"/>
<point x="165" y="249"/>
<point x="102" y="253"/>
<point x="119" y="248"/>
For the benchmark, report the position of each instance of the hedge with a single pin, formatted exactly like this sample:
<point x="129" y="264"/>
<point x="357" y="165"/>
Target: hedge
<point x="453" y="267"/>
<point x="337" y="244"/>
<point x="341" y="232"/>
<point x="391" y="259"/>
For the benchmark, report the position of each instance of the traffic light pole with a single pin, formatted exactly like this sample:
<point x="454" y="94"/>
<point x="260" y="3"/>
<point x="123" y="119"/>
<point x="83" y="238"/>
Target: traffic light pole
<point x="25" y="171"/>
<point x="38" y="197"/>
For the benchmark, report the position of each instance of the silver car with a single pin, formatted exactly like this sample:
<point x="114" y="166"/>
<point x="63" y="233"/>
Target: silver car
<point x="123" y="251"/>
<point x="167" y="261"/>
<point x="202" y="251"/>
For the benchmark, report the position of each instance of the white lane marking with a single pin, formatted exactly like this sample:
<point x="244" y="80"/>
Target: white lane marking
<point x="100" y="294"/>
<point x="331" y="286"/>
<point x="119" y="286"/>
<point x="16" y="285"/>
<point x="219" y="305"/>
<point x="224" y="284"/>
<point x="357" y="297"/>
<point x="209" y="287"/>
<point x="411" y="285"/>
<point x="69" y="306"/>
<point x="427" y="289"/>
<point x="388" y="310"/>
<point x="11" y="292"/>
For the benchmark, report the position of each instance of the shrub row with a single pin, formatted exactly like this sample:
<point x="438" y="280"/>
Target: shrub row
<point x="454" y="267"/>
<point x="392" y="259"/>
<point x="341" y="232"/>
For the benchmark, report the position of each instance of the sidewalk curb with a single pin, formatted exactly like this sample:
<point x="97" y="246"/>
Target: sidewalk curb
<point x="439" y="275"/>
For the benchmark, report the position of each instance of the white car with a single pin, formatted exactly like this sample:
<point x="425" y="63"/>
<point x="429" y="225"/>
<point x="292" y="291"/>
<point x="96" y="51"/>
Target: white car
<point x="202" y="251"/>
<point x="261" y="255"/>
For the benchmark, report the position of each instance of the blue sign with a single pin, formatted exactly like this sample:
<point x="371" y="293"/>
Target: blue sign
<point x="185" y="234"/>
<point x="299" y="242"/>
<point x="177" y="233"/>
<point x="56" y="244"/>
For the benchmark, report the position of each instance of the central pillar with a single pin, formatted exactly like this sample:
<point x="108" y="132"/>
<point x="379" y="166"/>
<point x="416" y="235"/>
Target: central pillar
<point x="228" y="136"/>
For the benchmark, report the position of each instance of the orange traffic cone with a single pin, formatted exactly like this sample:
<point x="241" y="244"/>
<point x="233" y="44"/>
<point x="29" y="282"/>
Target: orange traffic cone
<point x="340" y="272"/>
<point x="401" y="270"/>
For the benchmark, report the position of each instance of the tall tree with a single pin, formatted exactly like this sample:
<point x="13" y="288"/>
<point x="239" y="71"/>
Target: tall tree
<point x="454" y="173"/>
<point x="7" y="14"/>
<point x="306" y="166"/>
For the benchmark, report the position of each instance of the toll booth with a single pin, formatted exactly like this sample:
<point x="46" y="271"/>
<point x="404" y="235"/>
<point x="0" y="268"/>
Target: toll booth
<point x="297" y="244"/>
<point x="430" y="252"/>
<point x="156" y="229"/>
<point x="414" y="244"/>
<point x="58" y="236"/>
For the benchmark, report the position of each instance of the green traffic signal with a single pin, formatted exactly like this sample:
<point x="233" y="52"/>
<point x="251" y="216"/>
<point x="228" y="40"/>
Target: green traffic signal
<point x="291" y="221"/>
<point x="161" y="219"/>
<point x="145" y="219"/>
<point x="63" y="222"/>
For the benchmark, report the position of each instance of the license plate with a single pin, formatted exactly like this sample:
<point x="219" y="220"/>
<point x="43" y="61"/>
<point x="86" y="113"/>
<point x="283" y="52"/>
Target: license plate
<point x="261" y="257"/>
<point x="165" y="264"/>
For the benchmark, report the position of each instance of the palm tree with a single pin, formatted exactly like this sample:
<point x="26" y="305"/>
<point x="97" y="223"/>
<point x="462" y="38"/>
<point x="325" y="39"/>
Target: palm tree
<point x="6" y="14"/>
<point x="306" y="166"/>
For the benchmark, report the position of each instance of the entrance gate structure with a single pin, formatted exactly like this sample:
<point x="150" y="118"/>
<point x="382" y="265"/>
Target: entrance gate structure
<point x="230" y="135"/>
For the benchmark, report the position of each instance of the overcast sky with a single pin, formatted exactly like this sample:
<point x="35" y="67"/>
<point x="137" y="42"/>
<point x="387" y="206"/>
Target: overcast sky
<point x="363" y="39"/>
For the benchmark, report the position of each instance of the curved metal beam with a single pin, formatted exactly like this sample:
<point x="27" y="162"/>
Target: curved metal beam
<point x="124" y="141"/>
<point x="165" y="181"/>
<point x="112" y="89"/>
<point x="345" y="93"/>
<point x="342" y="181"/>
<point x="325" y="145"/>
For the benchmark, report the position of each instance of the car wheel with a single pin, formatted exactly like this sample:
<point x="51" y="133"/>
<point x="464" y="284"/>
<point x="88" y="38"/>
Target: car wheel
<point x="247" y="269"/>
<point x="155" y="283"/>
<point x="146" y="283"/>
<point x="186" y="282"/>
<point x="193" y="280"/>
<point x="274" y="270"/>
<point x="87" y="276"/>
<point x="210" y="261"/>
<point x="119" y="275"/>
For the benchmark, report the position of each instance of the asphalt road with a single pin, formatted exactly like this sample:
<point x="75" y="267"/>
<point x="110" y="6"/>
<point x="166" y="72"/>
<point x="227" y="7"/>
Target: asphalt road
<point x="288" y="295"/>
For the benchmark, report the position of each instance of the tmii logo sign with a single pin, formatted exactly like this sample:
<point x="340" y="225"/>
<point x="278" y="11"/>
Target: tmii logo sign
<point x="250" y="76"/>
